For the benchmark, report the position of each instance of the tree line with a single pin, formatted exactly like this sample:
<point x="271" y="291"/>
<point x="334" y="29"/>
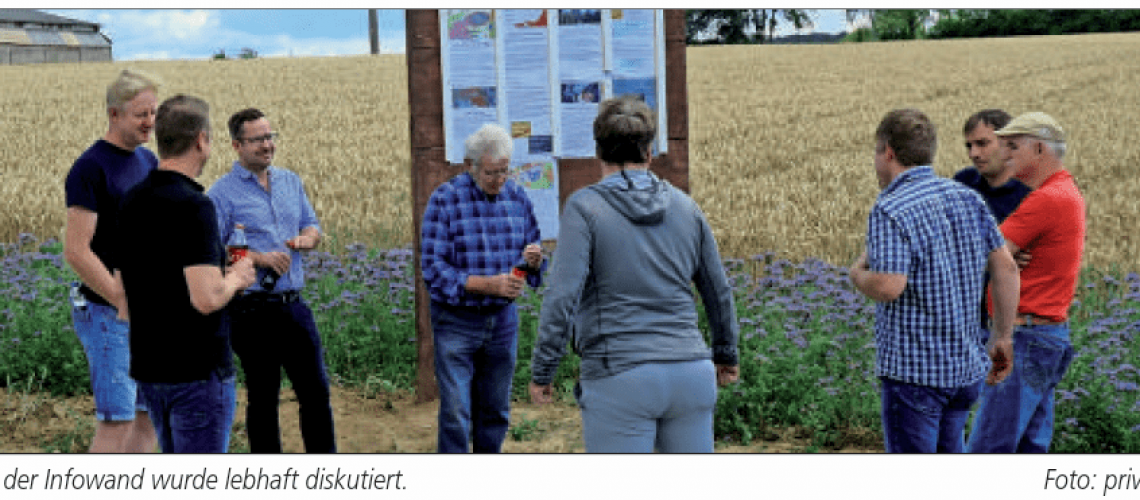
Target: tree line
<point x="742" y="26"/>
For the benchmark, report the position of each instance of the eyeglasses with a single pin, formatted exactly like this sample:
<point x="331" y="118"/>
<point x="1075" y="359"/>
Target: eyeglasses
<point x="272" y="136"/>
<point x="497" y="173"/>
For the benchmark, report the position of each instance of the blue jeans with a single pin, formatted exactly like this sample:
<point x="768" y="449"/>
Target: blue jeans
<point x="106" y="342"/>
<point x="1017" y="414"/>
<point x="192" y="417"/>
<point x="667" y="406"/>
<point x="924" y="419"/>
<point x="474" y="367"/>
<point x="269" y="336"/>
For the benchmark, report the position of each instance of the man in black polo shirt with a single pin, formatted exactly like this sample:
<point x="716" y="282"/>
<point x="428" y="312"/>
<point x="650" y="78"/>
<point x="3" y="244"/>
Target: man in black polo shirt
<point x="989" y="175"/>
<point x="172" y="261"/>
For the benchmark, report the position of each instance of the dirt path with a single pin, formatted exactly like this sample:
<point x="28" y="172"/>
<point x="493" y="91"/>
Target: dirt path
<point x="365" y="423"/>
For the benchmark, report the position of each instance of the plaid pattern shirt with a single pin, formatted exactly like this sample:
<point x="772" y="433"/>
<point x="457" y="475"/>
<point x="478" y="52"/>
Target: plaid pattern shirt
<point x="467" y="233"/>
<point x="938" y="233"/>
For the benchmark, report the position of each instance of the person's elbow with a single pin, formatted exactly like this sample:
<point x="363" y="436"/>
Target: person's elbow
<point x="206" y="303"/>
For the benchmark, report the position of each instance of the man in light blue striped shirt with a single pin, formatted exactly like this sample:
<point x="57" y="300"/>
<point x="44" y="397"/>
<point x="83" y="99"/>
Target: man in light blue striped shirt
<point x="929" y="240"/>
<point x="272" y="327"/>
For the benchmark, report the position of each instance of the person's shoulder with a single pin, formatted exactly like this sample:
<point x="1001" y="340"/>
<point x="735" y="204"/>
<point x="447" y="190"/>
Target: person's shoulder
<point x="968" y="176"/>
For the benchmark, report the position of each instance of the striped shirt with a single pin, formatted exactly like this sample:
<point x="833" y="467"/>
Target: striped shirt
<point x="270" y="217"/>
<point x="938" y="233"/>
<point x="468" y="233"/>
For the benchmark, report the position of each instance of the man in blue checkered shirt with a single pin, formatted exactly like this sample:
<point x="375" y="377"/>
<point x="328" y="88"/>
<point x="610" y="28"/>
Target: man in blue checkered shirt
<point x="929" y="241"/>
<point x="477" y="227"/>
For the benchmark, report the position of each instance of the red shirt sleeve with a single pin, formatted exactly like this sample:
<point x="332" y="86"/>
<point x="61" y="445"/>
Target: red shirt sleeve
<point x="1028" y="222"/>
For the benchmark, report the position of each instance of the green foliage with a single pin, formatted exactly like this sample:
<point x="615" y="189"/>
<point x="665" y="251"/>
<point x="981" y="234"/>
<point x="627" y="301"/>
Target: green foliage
<point x="527" y="429"/>
<point x="861" y="35"/>
<point x="1021" y="22"/>
<point x="737" y="26"/>
<point x="900" y="24"/>
<point x="806" y="347"/>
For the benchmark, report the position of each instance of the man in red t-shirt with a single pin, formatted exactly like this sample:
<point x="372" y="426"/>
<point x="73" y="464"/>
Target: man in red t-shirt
<point x="1017" y="414"/>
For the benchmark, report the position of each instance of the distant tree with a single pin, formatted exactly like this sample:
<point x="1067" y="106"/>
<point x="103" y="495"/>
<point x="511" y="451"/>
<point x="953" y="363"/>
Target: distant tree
<point x="247" y="53"/>
<point x="900" y="24"/>
<point x="732" y="26"/>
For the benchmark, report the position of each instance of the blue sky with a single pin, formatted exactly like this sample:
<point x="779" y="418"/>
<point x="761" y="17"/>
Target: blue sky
<point x="199" y="33"/>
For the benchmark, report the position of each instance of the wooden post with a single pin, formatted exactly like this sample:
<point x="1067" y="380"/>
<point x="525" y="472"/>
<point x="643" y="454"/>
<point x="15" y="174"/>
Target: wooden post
<point x="374" y="30"/>
<point x="430" y="167"/>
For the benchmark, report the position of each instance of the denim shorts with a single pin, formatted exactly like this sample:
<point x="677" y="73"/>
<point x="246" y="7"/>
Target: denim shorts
<point x="106" y="342"/>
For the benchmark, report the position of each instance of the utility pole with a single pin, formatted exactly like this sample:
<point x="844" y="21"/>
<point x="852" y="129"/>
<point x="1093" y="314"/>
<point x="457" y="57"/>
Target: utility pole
<point x="374" y="30"/>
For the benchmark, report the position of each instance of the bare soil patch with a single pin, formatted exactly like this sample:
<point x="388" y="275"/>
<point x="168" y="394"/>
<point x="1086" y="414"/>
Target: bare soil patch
<point x="365" y="423"/>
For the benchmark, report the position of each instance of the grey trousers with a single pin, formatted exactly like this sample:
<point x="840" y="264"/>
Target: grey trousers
<point x="663" y="406"/>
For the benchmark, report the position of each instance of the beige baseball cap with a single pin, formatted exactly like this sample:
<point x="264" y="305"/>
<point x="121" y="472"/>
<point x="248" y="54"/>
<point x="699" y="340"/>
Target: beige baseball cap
<point x="1036" y="124"/>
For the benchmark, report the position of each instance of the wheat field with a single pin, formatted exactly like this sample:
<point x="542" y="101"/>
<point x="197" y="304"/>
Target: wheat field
<point x="781" y="137"/>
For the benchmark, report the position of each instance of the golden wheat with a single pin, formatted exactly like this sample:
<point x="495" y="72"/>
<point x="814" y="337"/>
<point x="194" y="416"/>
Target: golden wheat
<point x="781" y="136"/>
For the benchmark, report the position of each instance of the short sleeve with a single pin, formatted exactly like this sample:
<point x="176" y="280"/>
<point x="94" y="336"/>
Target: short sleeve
<point x="82" y="184"/>
<point x="200" y="240"/>
<point x="888" y="251"/>
<point x="1027" y="222"/>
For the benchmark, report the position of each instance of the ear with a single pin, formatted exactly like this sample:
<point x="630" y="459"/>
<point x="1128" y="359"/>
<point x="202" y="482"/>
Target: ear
<point x="236" y="144"/>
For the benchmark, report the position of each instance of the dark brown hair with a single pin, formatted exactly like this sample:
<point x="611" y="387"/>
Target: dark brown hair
<point x="178" y="122"/>
<point x="910" y="134"/>
<point x="239" y="119"/>
<point x="994" y="118"/>
<point x="624" y="129"/>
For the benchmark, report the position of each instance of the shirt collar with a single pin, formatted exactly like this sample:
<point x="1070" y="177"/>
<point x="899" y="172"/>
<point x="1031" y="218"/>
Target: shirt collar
<point x="176" y="176"/>
<point x="910" y="174"/>
<point x="245" y="174"/>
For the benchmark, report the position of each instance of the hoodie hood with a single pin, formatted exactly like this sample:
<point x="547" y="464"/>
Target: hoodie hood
<point x="641" y="204"/>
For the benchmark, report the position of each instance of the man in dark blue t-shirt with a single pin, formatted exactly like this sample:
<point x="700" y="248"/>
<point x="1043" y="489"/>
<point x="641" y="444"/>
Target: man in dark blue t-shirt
<point x="989" y="175"/>
<point x="95" y="187"/>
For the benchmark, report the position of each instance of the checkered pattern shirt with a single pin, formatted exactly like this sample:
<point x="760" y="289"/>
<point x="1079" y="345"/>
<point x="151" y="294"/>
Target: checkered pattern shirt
<point x="938" y="233"/>
<point x="468" y="233"/>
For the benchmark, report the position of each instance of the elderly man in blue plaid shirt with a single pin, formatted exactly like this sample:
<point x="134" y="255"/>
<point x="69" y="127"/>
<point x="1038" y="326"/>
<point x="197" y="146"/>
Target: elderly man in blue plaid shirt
<point x="929" y="241"/>
<point x="477" y="227"/>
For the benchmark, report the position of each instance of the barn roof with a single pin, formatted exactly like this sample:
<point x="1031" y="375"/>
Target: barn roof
<point x="57" y="34"/>
<point x="35" y="16"/>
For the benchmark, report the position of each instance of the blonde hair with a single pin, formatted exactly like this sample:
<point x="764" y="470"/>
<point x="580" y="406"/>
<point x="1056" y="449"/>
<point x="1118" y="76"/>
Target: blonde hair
<point x="129" y="84"/>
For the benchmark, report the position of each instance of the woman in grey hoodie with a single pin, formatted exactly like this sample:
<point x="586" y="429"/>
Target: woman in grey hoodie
<point x="629" y="249"/>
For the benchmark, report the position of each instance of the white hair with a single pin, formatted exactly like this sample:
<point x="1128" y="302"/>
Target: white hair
<point x="1056" y="147"/>
<point x="491" y="140"/>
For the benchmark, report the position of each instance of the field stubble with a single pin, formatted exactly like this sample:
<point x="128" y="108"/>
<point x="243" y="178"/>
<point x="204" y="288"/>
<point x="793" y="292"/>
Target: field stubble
<point x="781" y="136"/>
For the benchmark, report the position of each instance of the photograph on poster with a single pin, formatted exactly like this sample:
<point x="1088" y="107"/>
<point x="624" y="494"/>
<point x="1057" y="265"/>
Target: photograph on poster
<point x="474" y="97"/>
<point x="540" y="144"/>
<point x="580" y="92"/>
<point x="579" y="16"/>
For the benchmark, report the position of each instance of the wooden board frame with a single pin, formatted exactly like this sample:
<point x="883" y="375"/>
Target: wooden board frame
<point x="430" y="167"/>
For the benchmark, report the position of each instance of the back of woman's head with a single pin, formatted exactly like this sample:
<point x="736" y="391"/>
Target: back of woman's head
<point x="624" y="130"/>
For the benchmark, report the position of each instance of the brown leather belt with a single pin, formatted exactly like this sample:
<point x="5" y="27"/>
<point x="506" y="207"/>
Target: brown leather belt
<point x="1031" y="320"/>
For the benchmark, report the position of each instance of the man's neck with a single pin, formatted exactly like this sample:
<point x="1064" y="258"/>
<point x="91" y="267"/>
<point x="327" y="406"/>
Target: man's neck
<point x="1043" y="174"/>
<point x="118" y="141"/>
<point x="182" y="165"/>
<point x="610" y="169"/>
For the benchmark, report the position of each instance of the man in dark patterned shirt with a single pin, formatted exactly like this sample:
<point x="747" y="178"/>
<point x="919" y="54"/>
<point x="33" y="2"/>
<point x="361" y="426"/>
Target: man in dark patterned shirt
<point x="476" y="228"/>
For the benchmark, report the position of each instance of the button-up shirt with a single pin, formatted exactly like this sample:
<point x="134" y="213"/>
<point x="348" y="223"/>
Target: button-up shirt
<point x="270" y="217"/>
<point x="938" y="233"/>
<point x="469" y="233"/>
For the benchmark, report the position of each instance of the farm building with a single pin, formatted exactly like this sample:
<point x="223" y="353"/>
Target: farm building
<point x="29" y="36"/>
